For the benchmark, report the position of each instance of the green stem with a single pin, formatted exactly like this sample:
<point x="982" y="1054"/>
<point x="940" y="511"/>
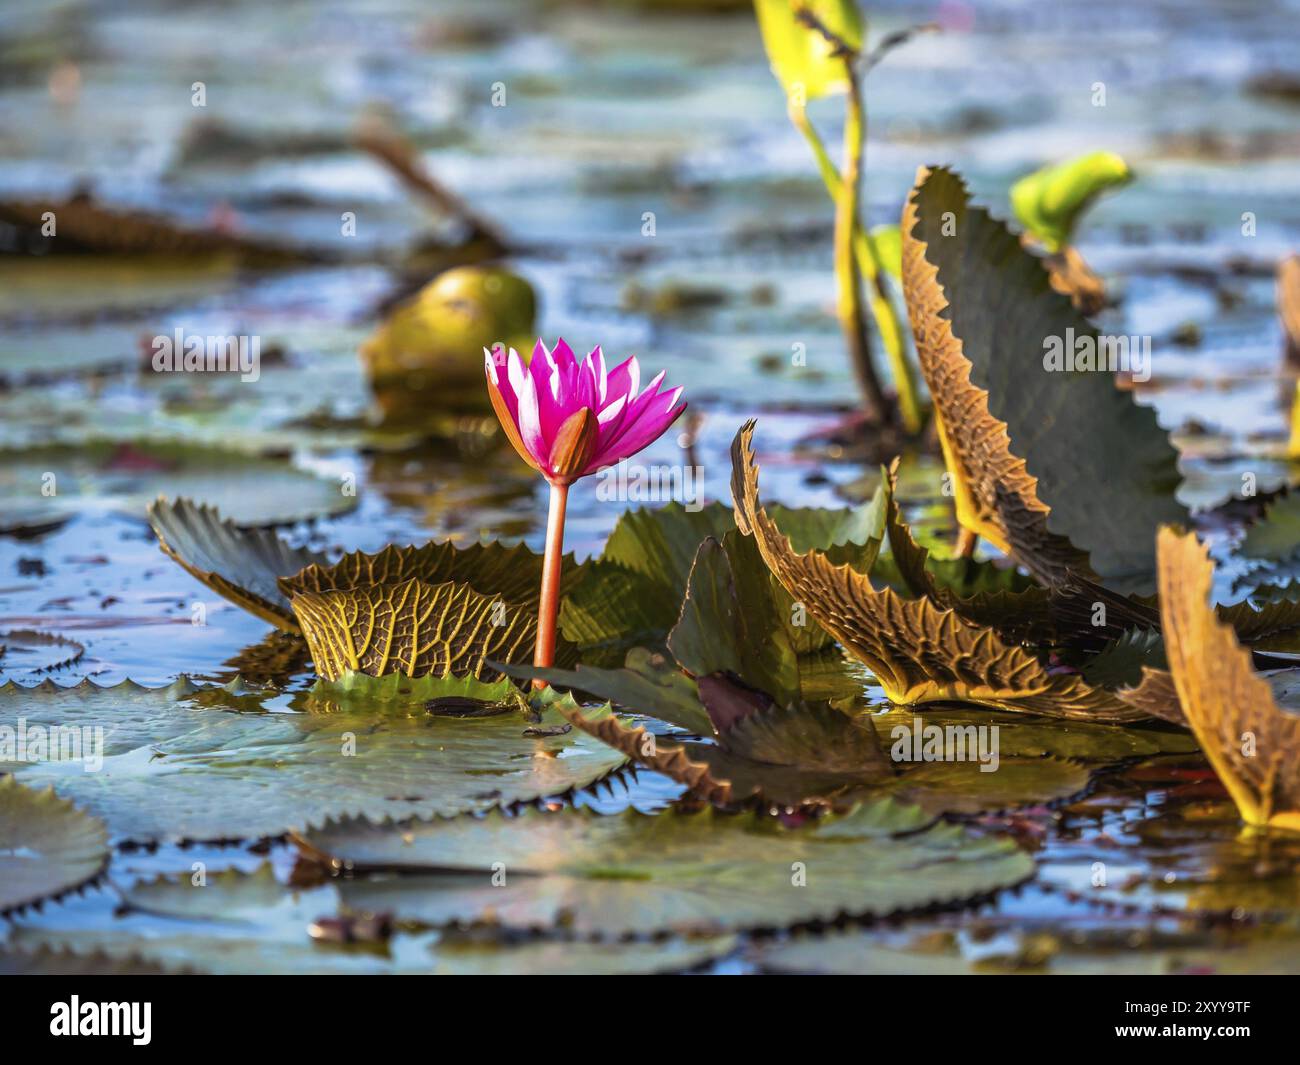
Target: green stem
<point x="848" y="279"/>
<point x="883" y="308"/>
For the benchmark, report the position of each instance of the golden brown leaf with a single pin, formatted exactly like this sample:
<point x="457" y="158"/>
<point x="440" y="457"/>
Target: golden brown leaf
<point x="647" y="750"/>
<point x="919" y="652"/>
<point x="1253" y="744"/>
<point x="413" y="628"/>
<point x="513" y="574"/>
<point x="1052" y="463"/>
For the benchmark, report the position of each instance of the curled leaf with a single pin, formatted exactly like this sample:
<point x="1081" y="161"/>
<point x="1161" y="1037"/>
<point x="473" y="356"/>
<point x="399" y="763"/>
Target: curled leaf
<point x="1055" y="466"/>
<point x="919" y="652"/>
<point x="412" y="628"/>
<point x="1049" y="201"/>
<point x="242" y="565"/>
<point x="1253" y="744"/>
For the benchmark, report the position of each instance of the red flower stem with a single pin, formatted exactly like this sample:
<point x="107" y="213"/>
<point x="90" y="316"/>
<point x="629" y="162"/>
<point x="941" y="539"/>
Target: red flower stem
<point x="549" y="607"/>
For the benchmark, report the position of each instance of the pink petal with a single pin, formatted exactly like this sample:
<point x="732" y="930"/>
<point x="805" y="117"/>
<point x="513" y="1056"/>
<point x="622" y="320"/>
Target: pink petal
<point x="530" y="424"/>
<point x="624" y="379"/>
<point x="643" y="429"/>
<point x="552" y="400"/>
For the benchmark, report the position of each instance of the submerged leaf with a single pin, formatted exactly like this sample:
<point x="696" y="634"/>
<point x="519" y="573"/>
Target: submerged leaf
<point x="919" y="652"/>
<point x="1253" y="744"/>
<point x="696" y="872"/>
<point x="47" y="845"/>
<point x="1056" y="467"/>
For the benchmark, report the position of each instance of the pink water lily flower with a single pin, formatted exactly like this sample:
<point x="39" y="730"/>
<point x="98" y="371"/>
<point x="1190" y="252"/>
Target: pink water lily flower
<point x="568" y="419"/>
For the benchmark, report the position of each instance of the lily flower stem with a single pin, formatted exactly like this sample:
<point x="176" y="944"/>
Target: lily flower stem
<point x="549" y="607"/>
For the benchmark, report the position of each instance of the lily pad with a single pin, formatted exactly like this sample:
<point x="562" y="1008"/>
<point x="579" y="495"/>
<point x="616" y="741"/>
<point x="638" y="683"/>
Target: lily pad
<point x="48" y="846"/>
<point x="917" y="650"/>
<point x="125" y="478"/>
<point x="636" y="874"/>
<point x="236" y="922"/>
<point x="414" y="629"/>
<point x="730" y="623"/>
<point x="1252" y="742"/>
<point x="1054" y="465"/>
<point x="242" y="565"/>
<point x="260" y="572"/>
<point x="1037" y="948"/>
<point x="209" y="763"/>
<point x="24" y="652"/>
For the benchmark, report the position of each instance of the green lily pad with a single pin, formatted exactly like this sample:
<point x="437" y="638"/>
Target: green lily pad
<point x="1275" y="537"/>
<point x="631" y="596"/>
<point x="360" y="690"/>
<point x="242" y="565"/>
<point x="209" y="763"/>
<point x="729" y="620"/>
<point x="635" y="874"/>
<point x="125" y="478"/>
<point x="48" y="846"/>
<point x="236" y="922"/>
<point x="260" y="572"/>
<point x="1099" y="473"/>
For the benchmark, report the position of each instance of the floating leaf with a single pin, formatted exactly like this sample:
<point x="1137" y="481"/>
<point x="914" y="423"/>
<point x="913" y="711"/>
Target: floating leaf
<point x="359" y="690"/>
<point x="181" y="763"/>
<point x="124" y="478"/>
<point x="1253" y="744"/>
<point x="25" y="652"/>
<point x="1275" y="537"/>
<point x="238" y="922"/>
<point x="631" y="596"/>
<point x="89" y="227"/>
<point x="1121" y="661"/>
<point x="1049" y="201"/>
<point x="1034" y="947"/>
<point x="917" y="651"/>
<point x="1020" y="611"/>
<point x="802" y="58"/>
<point x="1059" y="469"/>
<point x="1155" y="694"/>
<point x="413" y="628"/>
<point x="633" y="873"/>
<point x="260" y="572"/>
<point x="47" y="845"/>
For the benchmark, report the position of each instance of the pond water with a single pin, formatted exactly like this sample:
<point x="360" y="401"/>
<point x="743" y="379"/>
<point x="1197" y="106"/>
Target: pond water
<point x="612" y="113"/>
